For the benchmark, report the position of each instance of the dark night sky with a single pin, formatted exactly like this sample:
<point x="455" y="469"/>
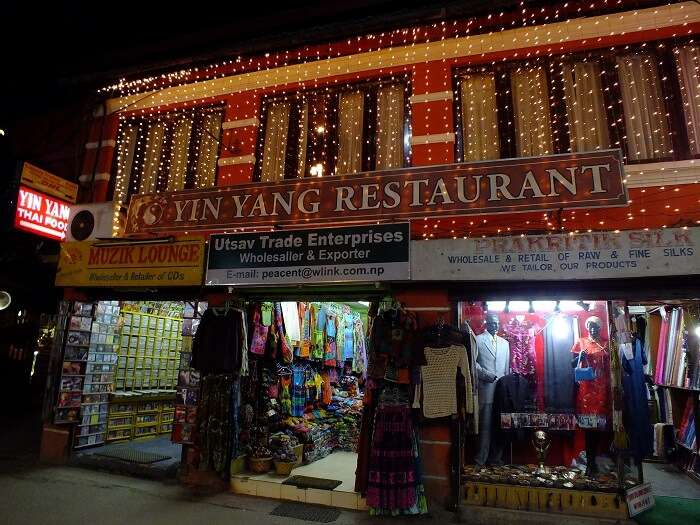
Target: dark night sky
<point x="64" y="48"/>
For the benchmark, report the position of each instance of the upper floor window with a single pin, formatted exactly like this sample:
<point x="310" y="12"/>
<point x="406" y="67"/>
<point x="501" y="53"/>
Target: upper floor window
<point x="596" y="100"/>
<point x="334" y="132"/>
<point x="168" y="152"/>
<point x="688" y="67"/>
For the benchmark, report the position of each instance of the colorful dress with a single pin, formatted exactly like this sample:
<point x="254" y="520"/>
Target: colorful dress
<point x="394" y="484"/>
<point x="522" y="349"/>
<point x="593" y="397"/>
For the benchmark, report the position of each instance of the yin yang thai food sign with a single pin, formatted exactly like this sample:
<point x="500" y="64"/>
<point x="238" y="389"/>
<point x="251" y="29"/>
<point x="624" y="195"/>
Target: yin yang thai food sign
<point x="577" y="180"/>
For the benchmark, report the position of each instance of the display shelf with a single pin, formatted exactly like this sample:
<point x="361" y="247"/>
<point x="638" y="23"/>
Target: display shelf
<point x="95" y="444"/>
<point x="680" y="388"/>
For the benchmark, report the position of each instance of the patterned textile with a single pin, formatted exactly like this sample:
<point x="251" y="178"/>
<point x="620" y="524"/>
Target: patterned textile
<point x="298" y="392"/>
<point x="521" y="338"/>
<point x="393" y="481"/>
<point x="439" y="380"/>
<point x="216" y="429"/>
<point x="359" y="360"/>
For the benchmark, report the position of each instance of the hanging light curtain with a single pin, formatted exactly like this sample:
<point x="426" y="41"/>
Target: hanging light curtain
<point x="351" y="108"/>
<point x="180" y="150"/>
<point x="645" y="116"/>
<point x="208" y="152"/>
<point x="533" y="129"/>
<point x="303" y="138"/>
<point x="390" y="115"/>
<point x="688" y="65"/>
<point x="276" y="131"/>
<point x="125" y="161"/>
<point x="152" y="161"/>
<point x="479" y="117"/>
<point x="585" y="107"/>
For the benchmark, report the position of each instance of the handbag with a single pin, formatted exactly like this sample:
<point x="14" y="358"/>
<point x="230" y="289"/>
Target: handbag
<point x="582" y="373"/>
<point x="258" y="343"/>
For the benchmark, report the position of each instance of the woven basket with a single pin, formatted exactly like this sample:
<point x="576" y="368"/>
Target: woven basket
<point x="284" y="468"/>
<point x="260" y="465"/>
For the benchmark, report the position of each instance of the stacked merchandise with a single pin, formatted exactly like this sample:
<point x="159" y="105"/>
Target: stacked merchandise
<point x="677" y="354"/>
<point x="188" y="381"/>
<point x="686" y="430"/>
<point x="75" y="358"/>
<point x="307" y="363"/>
<point x="65" y="413"/>
<point x="99" y="375"/>
<point x="151" y="341"/>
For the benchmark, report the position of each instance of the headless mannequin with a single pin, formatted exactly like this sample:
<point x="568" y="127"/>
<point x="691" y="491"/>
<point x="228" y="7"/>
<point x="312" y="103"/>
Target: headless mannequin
<point x="592" y="436"/>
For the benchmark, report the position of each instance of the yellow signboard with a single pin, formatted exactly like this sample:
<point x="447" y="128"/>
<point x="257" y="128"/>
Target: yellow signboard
<point x="49" y="183"/>
<point x="176" y="263"/>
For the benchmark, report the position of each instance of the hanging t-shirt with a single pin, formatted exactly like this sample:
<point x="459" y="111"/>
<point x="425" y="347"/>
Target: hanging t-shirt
<point x="290" y="314"/>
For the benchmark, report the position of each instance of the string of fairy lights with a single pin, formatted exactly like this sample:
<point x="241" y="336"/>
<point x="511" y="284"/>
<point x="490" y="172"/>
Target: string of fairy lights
<point x="554" y="101"/>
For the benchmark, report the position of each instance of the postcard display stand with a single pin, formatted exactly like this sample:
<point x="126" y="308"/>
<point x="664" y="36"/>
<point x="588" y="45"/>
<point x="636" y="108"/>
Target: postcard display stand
<point x="77" y="342"/>
<point x="188" y="379"/>
<point x="99" y="375"/>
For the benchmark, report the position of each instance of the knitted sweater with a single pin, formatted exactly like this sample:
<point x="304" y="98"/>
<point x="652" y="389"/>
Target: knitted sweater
<point x="438" y="378"/>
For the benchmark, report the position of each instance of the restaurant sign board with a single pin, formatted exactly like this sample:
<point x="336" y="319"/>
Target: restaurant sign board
<point x="575" y="180"/>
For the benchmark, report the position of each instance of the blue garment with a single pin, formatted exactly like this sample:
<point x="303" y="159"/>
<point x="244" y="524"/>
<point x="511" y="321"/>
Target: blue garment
<point x="349" y="341"/>
<point x="321" y="319"/>
<point x="636" y="410"/>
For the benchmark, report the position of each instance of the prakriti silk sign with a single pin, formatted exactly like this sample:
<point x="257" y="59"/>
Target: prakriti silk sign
<point x="177" y="263"/>
<point x="41" y="214"/>
<point x="325" y="255"/>
<point x="504" y="186"/>
<point x="597" y="255"/>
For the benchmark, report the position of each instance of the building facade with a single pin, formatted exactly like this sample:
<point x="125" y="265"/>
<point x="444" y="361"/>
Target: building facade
<point x="532" y="82"/>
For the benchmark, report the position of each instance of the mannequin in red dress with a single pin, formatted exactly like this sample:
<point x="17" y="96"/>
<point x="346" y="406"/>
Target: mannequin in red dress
<point x="592" y="397"/>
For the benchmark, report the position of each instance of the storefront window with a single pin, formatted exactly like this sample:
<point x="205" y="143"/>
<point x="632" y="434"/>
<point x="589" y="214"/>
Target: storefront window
<point x="542" y="365"/>
<point x="168" y="152"/>
<point x="334" y="132"/>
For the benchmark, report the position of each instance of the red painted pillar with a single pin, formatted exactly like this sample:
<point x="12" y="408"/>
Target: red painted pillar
<point x="239" y="139"/>
<point x="432" y="114"/>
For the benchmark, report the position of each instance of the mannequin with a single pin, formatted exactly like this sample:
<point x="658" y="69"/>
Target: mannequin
<point x="492" y="363"/>
<point x="592" y="396"/>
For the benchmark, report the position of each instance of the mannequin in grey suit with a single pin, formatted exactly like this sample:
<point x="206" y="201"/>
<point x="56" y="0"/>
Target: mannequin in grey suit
<point x="492" y="363"/>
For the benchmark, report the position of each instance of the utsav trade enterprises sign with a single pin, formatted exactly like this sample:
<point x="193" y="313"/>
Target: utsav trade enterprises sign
<point x="176" y="263"/>
<point x="574" y="180"/>
<point x="320" y="255"/>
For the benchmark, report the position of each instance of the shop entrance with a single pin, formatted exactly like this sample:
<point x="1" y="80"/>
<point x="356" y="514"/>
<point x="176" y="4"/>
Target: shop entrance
<point x="123" y="371"/>
<point x="301" y="401"/>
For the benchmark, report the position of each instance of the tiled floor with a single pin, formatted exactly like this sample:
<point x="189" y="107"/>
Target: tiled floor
<point x="339" y="465"/>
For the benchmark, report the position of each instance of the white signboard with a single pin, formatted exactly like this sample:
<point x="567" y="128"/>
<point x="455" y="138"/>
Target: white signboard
<point x="640" y="499"/>
<point x="599" y="255"/>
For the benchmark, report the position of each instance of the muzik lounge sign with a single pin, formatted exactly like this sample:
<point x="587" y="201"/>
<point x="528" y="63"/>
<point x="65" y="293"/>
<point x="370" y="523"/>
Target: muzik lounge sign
<point x="504" y="186"/>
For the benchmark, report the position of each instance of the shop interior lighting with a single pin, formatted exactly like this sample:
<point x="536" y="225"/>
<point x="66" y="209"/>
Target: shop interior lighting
<point x="495" y="306"/>
<point x="697" y="331"/>
<point x="544" y="306"/>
